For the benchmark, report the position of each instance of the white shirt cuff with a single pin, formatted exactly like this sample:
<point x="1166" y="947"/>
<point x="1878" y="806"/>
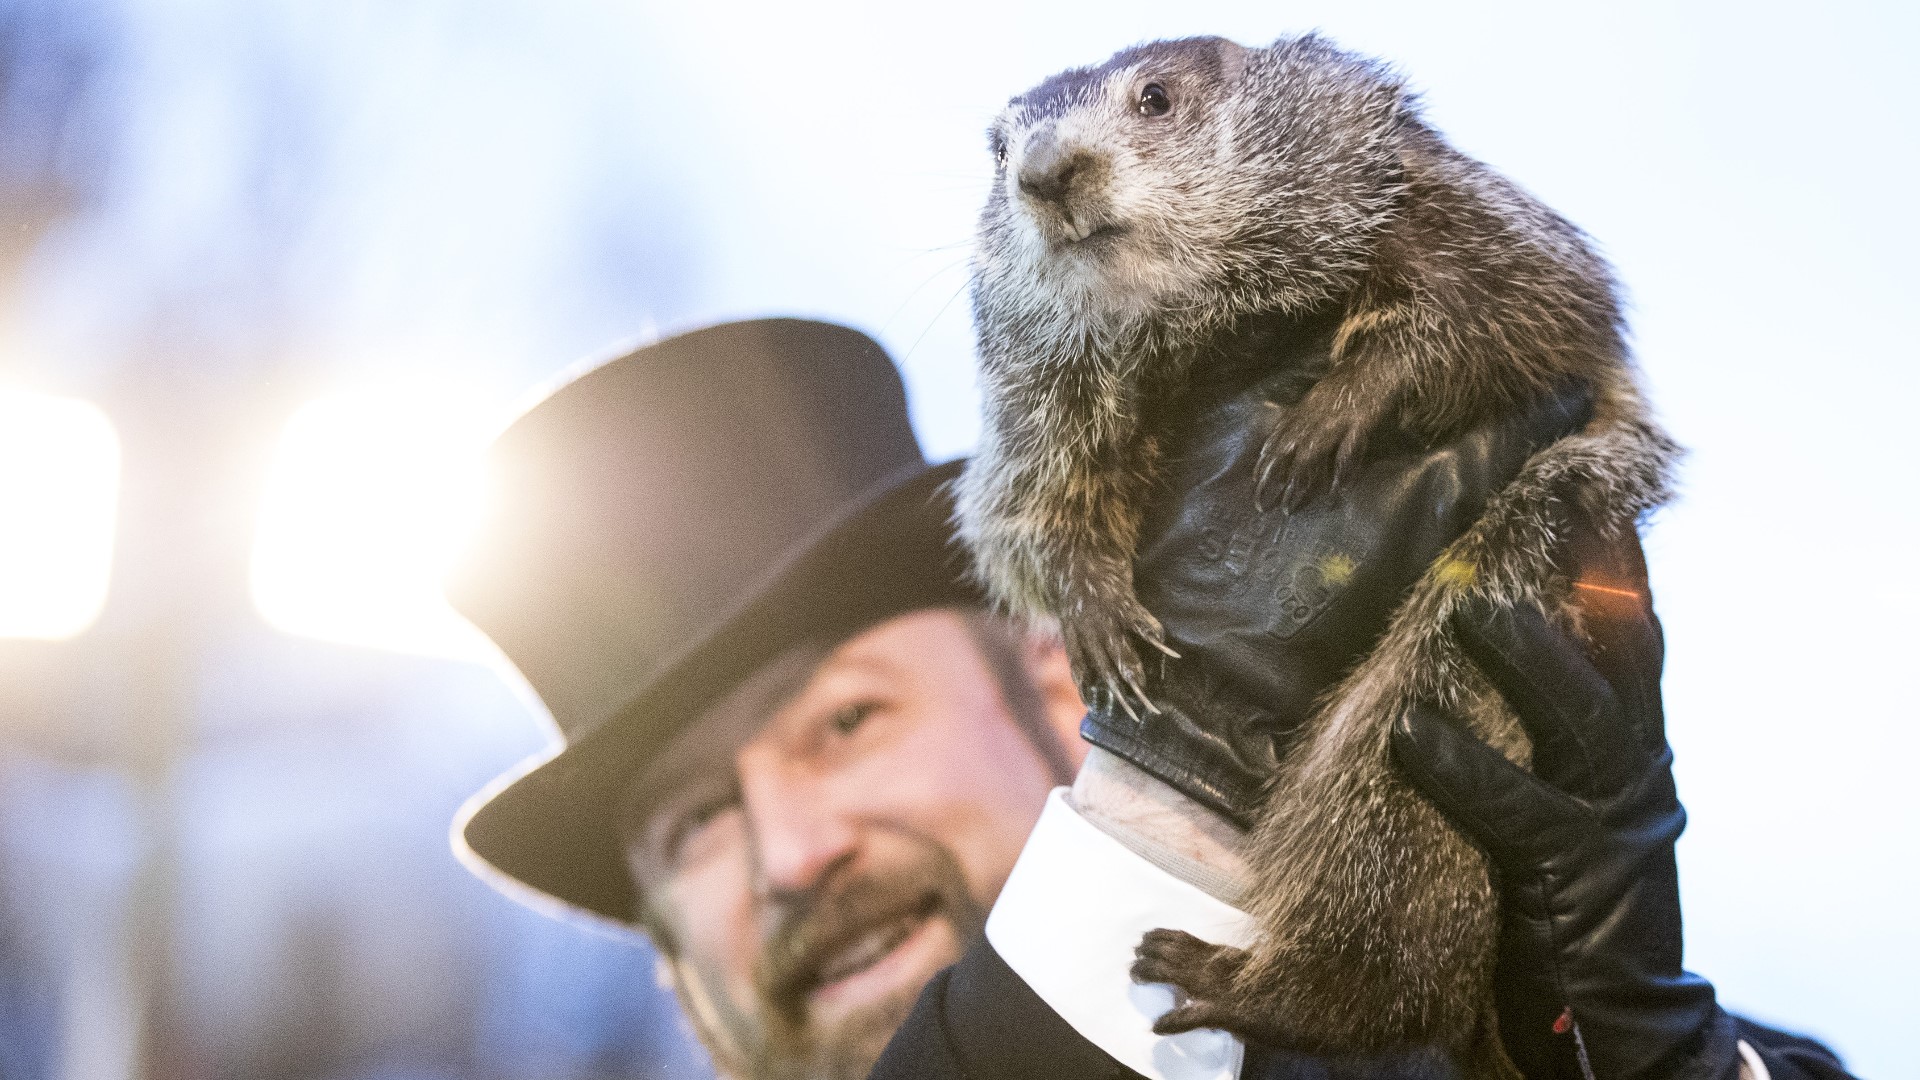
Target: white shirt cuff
<point x="1067" y="922"/>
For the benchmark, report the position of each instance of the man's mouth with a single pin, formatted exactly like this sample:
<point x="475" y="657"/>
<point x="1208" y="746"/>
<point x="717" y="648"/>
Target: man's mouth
<point x="864" y="943"/>
<point x="867" y="948"/>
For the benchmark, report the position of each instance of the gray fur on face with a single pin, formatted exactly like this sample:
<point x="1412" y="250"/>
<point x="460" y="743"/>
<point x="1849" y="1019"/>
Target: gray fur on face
<point x="1194" y="231"/>
<point x="1146" y="213"/>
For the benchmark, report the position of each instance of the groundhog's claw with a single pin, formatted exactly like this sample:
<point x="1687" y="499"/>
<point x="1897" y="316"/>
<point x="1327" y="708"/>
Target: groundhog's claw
<point x="1100" y="646"/>
<point x="1306" y="456"/>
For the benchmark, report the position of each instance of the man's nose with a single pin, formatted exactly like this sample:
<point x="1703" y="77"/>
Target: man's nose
<point x="1049" y="168"/>
<point x="798" y="836"/>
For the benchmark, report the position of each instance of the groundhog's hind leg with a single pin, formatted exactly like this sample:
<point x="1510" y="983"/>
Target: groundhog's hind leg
<point x="1216" y="991"/>
<point x="1205" y="974"/>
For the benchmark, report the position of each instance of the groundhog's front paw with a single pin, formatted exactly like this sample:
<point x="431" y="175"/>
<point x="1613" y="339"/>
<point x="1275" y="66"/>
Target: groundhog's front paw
<point x="1205" y="976"/>
<point x="1309" y="453"/>
<point x="1101" y="646"/>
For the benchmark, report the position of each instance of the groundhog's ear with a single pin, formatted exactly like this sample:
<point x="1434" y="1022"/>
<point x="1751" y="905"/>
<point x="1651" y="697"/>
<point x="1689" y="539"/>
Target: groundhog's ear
<point x="1233" y="60"/>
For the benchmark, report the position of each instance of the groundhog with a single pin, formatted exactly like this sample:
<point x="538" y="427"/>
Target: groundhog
<point x="1163" y="211"/>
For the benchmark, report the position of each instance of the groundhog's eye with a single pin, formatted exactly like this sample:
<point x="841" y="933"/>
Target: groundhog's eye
<point x="998" y="144"/>
<point x="1154" y="100"/>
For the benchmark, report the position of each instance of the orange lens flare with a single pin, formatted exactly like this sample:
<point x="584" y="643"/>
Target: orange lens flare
<point x="1607" y="589"/>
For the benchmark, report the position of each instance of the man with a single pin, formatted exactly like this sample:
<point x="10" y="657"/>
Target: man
<point x="800" y="757"/>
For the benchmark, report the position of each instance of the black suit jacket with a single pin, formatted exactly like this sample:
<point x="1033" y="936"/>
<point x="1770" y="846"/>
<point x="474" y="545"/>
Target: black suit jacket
<point x="977" y="1020"/>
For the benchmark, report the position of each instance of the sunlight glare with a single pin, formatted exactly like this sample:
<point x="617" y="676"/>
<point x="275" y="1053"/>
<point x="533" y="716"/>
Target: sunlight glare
<point x="59" y="483"/>
<point x="368" y="502"/>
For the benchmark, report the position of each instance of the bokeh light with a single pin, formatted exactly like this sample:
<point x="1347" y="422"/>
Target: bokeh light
<point x="369" y="499"/>
<point x="59" y="482"/>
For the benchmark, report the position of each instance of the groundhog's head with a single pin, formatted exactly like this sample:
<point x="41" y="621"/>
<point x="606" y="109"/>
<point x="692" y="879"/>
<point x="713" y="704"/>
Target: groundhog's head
<point x="1189" y="180"/>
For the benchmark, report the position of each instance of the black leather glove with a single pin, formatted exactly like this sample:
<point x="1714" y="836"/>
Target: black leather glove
<point x="1267" y="609"/>
<point x="1589" y="980"/>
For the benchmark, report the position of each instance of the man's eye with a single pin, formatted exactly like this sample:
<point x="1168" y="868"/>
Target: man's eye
<point x="1154" y="100"/>
<point x="848" y="718"/>
<point x="688" y="824"/>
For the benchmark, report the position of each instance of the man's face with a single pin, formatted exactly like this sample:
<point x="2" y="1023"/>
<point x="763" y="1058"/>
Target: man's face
<point x="832" y="832"/>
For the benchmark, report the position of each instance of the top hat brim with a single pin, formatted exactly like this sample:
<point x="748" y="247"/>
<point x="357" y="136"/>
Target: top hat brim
<point x="548" y="830"/>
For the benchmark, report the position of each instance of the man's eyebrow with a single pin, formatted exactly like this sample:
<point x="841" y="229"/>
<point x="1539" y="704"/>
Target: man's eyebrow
<point x="869" y="661"/>
<point x="729" y="722"/>
<point x="833" y="680"/>
<point x="662" y="779"/>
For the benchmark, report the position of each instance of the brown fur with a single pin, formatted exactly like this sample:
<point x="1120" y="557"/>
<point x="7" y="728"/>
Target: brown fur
<point x="1119" y="249"/>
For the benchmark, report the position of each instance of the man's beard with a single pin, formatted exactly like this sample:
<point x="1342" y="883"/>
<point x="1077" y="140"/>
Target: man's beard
<point x="853" y="919"/>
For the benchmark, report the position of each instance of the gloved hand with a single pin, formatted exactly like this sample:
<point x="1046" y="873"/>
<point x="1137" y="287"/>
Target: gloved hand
<point x="1268" y="609"/>
<point x="1589" y="982"/>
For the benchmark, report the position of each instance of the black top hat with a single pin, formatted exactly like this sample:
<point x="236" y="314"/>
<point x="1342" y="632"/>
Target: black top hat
<point x="666" y="523"/>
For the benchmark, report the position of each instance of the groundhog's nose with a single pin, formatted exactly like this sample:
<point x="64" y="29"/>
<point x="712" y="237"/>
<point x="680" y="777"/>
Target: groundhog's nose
<point x="1048" y="169"/>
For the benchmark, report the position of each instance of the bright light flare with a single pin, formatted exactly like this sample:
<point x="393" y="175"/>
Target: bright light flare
<point x="369" y="501"/>
<point x="59" y="483"/>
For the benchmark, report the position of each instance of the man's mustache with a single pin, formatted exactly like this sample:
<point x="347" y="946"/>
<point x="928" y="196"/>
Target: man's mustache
<point x="852" y="920"/>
